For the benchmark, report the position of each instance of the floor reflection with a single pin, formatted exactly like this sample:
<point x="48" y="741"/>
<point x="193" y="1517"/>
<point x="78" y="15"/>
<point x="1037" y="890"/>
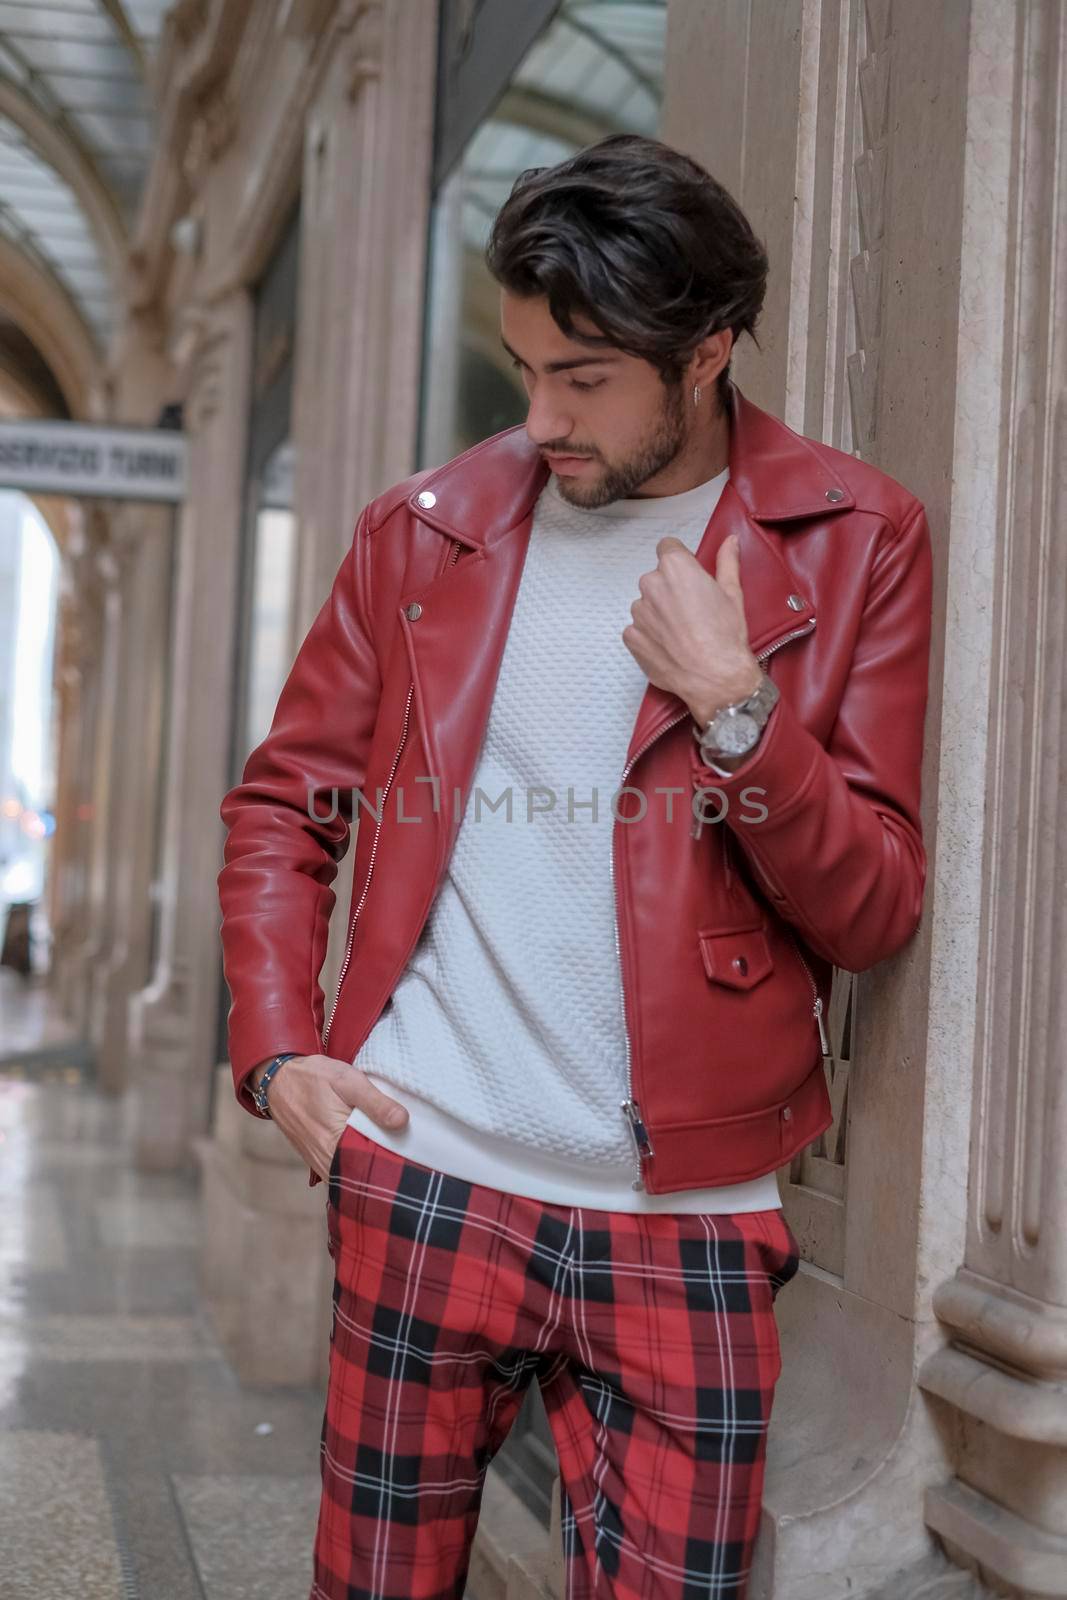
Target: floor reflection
<point x="133" y="1465"/>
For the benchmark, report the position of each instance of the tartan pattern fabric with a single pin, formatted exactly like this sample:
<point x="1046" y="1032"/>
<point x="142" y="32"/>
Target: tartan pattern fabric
<point x="652" y="1336"/>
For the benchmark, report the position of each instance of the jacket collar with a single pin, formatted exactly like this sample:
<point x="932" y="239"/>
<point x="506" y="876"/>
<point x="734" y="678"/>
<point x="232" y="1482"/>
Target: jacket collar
<point x="776" y="473"/>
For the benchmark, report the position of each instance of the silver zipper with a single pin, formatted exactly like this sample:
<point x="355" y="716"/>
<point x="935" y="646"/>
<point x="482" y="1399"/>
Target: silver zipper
<point x="370" y="866"/>
<point x="456" y="545"/>
<point x="817" y="1008"/>
<point x="778" y="643"/>
<point x="630" y="1108"/>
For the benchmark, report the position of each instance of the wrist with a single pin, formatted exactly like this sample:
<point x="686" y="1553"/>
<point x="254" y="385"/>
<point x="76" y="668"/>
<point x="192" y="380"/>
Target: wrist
<point x="262" y="1075"/>
<point x="741" y="683"/>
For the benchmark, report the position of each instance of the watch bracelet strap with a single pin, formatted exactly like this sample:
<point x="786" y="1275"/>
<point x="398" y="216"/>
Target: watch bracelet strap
<point x="259" y="1094"/>
<point x="765" y="696"/>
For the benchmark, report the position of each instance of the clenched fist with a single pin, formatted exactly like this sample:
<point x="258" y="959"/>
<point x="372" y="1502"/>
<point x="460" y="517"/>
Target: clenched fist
<point x="689" y="633"/>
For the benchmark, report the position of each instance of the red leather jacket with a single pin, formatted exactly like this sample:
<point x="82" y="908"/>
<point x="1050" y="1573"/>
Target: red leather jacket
<point x="727" y="931"/>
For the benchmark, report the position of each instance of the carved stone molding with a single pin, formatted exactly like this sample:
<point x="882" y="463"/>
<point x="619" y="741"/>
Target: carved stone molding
<point x="866" y="267"/>
<point x="1024" y="1334"/>
<point x="363" y="46"/>
<point x="213" y="131"/>
<point x="204" y="356"/>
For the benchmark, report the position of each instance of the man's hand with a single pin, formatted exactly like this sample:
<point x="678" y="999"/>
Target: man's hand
<point x="310" y="1098"/>
<point x="689" y="633"/>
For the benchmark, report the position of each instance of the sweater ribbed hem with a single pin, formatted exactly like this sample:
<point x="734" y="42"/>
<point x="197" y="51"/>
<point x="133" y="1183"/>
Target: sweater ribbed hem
<point x="439" y="1140"/>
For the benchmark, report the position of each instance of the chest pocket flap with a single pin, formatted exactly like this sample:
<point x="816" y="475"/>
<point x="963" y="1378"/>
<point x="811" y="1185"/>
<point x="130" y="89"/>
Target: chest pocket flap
<point x="737" y="957"/>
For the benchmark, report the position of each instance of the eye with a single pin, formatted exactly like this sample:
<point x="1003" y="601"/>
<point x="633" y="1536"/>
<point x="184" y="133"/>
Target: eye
<point x="572" y="383"/>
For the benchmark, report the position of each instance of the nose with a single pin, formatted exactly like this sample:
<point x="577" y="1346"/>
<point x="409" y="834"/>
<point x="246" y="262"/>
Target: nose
<point x="545" y="423"/>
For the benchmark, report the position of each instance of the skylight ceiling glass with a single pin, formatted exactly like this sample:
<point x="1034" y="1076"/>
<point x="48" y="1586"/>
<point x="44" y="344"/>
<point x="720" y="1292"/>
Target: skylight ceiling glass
<point x="40" y="213"/>
<point x="87" y="73"/>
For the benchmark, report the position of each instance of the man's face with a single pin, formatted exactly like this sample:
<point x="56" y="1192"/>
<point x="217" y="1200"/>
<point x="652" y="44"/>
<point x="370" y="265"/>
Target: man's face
<point x="610" y="409"/>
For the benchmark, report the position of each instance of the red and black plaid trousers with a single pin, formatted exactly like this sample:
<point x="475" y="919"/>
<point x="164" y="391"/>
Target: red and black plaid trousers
<point x="653" y="1339"/>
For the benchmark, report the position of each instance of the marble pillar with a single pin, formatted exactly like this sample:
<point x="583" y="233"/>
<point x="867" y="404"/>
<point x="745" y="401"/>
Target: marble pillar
<point x="998" y="1386"/>
<point x="842" y="129"/>
<point x="142" y="539"/>
<point x="173" y="1018"/>
<point x="364" y="212"/>
<point x="81" y="781"/>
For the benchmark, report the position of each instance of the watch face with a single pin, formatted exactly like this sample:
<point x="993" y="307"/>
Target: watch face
<point x="739" y="734"/>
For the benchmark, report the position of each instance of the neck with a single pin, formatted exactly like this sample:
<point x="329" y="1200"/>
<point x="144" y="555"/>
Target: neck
<point x="705" y="454"/>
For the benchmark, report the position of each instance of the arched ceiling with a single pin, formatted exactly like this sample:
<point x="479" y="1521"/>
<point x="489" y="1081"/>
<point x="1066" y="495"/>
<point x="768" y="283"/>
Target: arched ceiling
<point x="76" y="133"/>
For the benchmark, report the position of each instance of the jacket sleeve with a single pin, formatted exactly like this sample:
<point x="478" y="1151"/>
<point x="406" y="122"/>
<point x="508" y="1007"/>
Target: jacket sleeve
<point x="840" y="850"/>
<point x="288" y="826"/>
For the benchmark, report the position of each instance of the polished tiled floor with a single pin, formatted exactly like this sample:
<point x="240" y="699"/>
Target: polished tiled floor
<point x="133" y="1465"/>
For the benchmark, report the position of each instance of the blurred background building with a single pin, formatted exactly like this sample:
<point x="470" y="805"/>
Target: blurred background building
<point x="256" y="228"/>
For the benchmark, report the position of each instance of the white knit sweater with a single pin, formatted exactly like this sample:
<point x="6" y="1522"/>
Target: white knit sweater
<point x="505" y="1034"/>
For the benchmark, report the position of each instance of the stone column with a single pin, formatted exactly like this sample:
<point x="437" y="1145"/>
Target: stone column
<point x="1001" y="1381"/>
<point x="364" y="210"/>
<point x="846" y="131"/>
<point x="108" y="576"/>
<point x="81" y="630"/>
<point x="141" y="539"/>
<point x="173" y="1020"/>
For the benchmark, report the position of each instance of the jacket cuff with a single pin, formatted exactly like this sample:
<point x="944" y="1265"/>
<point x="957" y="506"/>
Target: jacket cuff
<point x="260" y="1035"/>
<point x="782" y="765"/>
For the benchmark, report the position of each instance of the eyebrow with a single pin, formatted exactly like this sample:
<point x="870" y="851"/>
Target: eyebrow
<point x="563" y="366"/>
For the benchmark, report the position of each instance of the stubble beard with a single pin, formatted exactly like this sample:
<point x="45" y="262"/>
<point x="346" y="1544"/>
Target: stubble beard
<point x="621" y="480"/>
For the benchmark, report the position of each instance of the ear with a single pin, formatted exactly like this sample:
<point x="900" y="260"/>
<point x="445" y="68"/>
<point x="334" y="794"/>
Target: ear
<point x="710" y="357"/>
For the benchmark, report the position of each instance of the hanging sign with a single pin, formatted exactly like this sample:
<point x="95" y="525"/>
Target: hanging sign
<point x="83" y="459"/>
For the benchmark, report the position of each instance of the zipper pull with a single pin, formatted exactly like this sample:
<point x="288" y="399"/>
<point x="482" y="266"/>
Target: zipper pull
<point x="824" y="1038"/>
<point x="637" y="1128"/>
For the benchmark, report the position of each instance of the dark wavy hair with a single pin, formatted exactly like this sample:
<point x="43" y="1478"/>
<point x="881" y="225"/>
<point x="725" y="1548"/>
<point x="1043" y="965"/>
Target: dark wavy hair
<point x="640" y="239"/>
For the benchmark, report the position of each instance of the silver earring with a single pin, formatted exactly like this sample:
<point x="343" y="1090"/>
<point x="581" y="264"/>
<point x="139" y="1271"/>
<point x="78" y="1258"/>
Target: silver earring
<point x="696" y="394"/>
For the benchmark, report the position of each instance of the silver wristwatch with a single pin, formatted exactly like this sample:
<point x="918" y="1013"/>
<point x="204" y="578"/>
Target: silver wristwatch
<point x="734" y="730"/>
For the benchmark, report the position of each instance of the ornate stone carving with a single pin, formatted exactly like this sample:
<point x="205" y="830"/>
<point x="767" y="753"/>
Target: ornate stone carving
<point x="206" y="374"/>
<point x="211" y="134"/>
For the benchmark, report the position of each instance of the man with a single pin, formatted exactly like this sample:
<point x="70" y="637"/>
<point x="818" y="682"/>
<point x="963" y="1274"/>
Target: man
<point x="629" y="704"/>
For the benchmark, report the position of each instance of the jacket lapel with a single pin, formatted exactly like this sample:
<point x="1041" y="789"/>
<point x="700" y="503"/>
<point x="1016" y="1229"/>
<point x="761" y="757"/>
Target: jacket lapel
<point x="455" y="647"/>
